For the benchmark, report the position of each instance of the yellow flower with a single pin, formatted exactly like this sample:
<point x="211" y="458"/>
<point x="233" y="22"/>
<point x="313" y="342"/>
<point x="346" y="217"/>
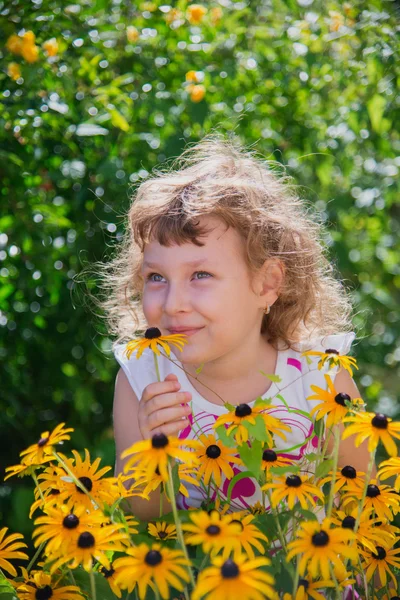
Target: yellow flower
<point x="101" y="490"/>
<point x="60" y="526"/>
<point x="390" y="468"/>
<point x="20" y="470"/>
<point x="42" y="451"/>
<point x="245" y="414"/>
<point x="333" y="358"/>
<point x="347" y="480"/>
<point x="333" y="403"/>
<point x="257" y="509"/>
<point x="51" y="47"/>
<point x="248" y="537"/>
<point x="191" y="76"/>
<point x="381" y="499"/>
<point x="235" y="578"/>
<point x="40" y="585"/>
<point x="381" y="559"/>
<point x="156" y="566"/>
<point x="375" y="427"/>
<point x="216" y="15"/>
<point x="10" y="548"/>
<point x="271" y="459"/>
<point x="92" y="544"/>
<point x="197" y="92"/>
<point x="150" y="455"/>
<point x="132" y="34"/>
<point x="307" y="588"/>
<point x="152" y="339"/>
<point x="214" y="457"/>
<point x="14" y="71"/>
<point x="318" y="545"/>
<point x="14" y="44"/>
<point x="294" y="488"/>
<point x="162" y="531"/>
<point x="29" y="37"/>
<point x="211" y="530"/>
<point x="111" y="576"/>
<point x="30" y="52"/>
<point x="337" y="20"/>
<point x="369" y="534"/>
<point x="195" y="13"/>
<point x="187" y="474"/>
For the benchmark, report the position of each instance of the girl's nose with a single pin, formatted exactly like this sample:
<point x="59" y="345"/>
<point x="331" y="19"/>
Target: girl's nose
<point x="177" y="299"/>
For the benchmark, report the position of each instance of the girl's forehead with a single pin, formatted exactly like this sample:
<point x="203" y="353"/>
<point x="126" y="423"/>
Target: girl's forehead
<point x="221" y="244"/>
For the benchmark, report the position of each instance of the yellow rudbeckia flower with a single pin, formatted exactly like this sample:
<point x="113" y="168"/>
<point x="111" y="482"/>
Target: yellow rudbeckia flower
<point x="153" y="339"/>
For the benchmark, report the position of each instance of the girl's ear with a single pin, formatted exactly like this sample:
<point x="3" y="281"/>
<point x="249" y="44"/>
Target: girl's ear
<point x="270" y="281"/>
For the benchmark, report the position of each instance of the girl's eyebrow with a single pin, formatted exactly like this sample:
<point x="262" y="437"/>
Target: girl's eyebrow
<point x="193" y="263"/>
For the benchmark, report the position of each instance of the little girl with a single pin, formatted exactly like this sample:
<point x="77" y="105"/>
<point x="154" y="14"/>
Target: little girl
<point x="222" y="250"/>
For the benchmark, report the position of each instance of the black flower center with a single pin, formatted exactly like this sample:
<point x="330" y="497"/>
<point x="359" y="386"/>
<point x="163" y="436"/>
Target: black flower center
<point x="153" y="558"/>
<point x="293" y="481"/>
<point x="86" y="540"/>
<point x="304" y="583"/>
<point x="349" y="472"/>
<point x="331" y="351"/>
<point x="44" y="593"/>
<point x="107" y="572"/>
<point x="269" y="455"/>
<point x="381" y="553"/>
<point x="152" y="333"/>
<point x="229" y="569"/>
<point x="243" y="410"/>
<point x="162" y="534"/>
<point x="70" y="521"/>
<point x="348" y="522"/>
<point x="341" y="399"/>
<point x="54" y="492"/>
<point x="320" y="539"/>
<point x="42" y="442"/>
<point x="213" y="530"/>
<point x="87" y="484"/>
<point x="213" y="451"/>
<point x="373" y="491"/>
<point x="159" y="440"/>
<point x="380" y="421"/>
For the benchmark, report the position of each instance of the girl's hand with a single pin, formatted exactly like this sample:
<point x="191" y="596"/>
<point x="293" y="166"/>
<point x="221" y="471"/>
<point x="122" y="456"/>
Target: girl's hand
<point x="161" y="410"/>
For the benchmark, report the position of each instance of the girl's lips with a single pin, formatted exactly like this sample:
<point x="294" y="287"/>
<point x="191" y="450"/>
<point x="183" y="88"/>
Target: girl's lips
<point x="188" y="332"/>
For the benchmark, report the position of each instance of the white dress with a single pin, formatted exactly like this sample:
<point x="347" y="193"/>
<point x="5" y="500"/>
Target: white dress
<point x="296" y="376"/>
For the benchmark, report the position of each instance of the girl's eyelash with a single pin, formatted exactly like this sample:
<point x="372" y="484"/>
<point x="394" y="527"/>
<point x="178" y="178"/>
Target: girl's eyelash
<point x="150" y="275"/>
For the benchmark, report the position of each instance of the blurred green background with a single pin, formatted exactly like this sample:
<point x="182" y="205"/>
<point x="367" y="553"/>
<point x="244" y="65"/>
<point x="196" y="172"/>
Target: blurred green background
<point x="95" y="94"/>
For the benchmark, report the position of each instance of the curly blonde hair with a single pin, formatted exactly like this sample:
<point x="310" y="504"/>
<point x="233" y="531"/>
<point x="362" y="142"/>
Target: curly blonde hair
<point x="218" y="177"/>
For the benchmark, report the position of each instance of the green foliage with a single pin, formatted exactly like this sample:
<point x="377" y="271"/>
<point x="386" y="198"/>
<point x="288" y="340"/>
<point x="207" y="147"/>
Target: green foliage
<point x="311" y="86"/>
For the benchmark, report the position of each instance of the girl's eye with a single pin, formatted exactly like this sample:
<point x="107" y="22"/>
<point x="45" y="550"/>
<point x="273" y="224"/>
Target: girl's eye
<point x="151" y="275"/>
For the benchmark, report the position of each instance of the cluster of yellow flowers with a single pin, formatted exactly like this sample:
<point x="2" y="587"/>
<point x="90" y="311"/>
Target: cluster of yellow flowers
<point x="211" y="553"/>
<point x="24" y="45"/>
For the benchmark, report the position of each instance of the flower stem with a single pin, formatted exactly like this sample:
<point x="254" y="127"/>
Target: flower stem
<point x="35" y="557"/>
<point x="75" y="480"/>
<point x="156" y="366"/>
<point x="334" y="469"/>
<point x="275" y="513"/>
<point x="161" y="500"/>
<point x="35" y="479"/>
<point x="335" y="582"/>
<point x="364" y="494"/>
<point x="296" y="579"/>
<point x="92" y="584"/>
<point x="179" y="533"/>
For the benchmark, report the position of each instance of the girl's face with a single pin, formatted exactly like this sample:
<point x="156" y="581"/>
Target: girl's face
<point x="202" y="291"/>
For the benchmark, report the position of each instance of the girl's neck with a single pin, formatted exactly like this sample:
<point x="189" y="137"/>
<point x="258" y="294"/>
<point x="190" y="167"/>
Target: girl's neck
<point x="236" y="376"/>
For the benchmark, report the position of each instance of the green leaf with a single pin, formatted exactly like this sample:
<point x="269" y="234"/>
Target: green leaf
<point x="228" y="441"/>
<point x="376" y="107"/>
<point x="118" y="120"/>
<point x="252" y="457"/>
<point x="283" y="470"/>
<point x="323" y="468"/>
<point x="258" y="430"/>
<point x="200" y="368"/>
<point x="69" y="369"/>
<point x="272" y="377"/>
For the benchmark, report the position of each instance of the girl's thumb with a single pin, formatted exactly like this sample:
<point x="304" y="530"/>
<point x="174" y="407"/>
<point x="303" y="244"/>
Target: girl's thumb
<point x="170" y="377"/>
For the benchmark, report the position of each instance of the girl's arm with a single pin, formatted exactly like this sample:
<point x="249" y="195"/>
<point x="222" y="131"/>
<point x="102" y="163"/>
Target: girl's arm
<point x="348" y="453"/>
<point x="126" y="433"/>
